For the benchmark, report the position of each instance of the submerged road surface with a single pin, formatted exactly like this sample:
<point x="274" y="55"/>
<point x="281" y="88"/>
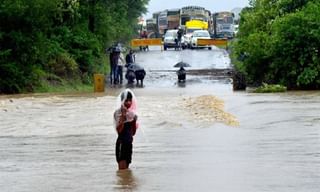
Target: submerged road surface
<point x="201" y="136"/>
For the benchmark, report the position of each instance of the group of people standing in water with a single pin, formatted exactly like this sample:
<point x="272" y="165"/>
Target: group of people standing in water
<point x="118" y="62"/>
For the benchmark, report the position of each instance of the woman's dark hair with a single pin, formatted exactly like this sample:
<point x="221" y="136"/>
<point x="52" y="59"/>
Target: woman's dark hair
<point x="127" y="94"/>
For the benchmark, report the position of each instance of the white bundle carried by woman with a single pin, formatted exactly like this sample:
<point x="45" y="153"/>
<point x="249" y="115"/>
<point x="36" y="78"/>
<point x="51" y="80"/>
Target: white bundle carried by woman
<point x="131" y="112"/>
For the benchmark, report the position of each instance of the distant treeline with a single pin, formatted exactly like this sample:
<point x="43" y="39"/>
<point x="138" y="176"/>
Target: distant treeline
<point x="52" y="41"/>
<point x="278" y="43"/>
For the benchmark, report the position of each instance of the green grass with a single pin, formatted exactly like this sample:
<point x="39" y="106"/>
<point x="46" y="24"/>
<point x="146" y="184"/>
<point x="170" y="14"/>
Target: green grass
<point x="64" y="87"/>
<point x="266" y="88"/>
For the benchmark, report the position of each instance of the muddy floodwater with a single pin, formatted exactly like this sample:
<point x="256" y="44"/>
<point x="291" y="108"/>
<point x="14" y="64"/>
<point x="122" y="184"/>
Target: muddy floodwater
<point x="200" y="136"/>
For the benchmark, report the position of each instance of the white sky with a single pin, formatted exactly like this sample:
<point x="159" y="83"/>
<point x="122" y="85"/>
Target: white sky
<point x="211" y="5"/>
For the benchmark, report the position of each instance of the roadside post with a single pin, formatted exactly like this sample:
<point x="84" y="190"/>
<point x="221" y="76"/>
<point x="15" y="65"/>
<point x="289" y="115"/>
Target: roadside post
<point x="99" y="82"/>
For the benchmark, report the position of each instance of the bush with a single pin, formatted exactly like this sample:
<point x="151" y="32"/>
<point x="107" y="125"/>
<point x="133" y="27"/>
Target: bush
<point x="278" y="43"/>
<point x="63" y="65"/>
<point x="272" y="88"/>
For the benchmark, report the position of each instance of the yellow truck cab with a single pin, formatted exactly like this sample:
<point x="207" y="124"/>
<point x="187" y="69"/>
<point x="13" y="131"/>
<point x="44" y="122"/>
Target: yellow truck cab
<point x="192" y="26"/>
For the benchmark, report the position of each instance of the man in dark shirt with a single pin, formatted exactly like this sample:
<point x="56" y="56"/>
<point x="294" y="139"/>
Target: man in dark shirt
<point x="179" y="34"/>
<point x="130" y="58"/>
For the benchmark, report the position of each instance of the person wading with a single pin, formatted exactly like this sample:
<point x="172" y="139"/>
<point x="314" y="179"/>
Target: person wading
<point x="126" y="125"/>
<point x="120" y="65"/>
<point x="114" y="65"/>
<point x="130" y="58"/>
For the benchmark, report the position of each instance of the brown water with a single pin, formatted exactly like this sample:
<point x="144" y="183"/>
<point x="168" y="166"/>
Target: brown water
<point x="66" y="142"/>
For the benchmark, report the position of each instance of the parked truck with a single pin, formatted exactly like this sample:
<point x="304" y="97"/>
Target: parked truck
<point x="224" y="24"/>
<point x="173" y="17"/>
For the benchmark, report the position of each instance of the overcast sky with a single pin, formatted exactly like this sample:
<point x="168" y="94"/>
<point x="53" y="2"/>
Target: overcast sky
<point x="211" y="5"/>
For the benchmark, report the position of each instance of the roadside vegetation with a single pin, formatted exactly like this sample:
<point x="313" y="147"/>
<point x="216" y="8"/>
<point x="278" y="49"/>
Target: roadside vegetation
<point x="278" y="43"/>
<point x="49" y="45"/>
<point x="266" y="88"/>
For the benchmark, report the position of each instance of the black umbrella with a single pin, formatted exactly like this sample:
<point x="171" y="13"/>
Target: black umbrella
<point x="135" y="67"/>
<point x="182" y="64"/>
<point x="116" y="49"/>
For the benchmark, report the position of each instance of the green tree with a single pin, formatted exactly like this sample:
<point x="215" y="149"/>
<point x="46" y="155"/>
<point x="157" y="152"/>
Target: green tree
<point x="296" y="47"/>
<point x="279" y="42"/>
<point x="41" y="40"/>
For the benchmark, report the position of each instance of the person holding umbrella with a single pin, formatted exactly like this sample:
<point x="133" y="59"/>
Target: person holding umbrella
<point x="135" y="71"/>
<point x="181" y="73"/>
<point x="113" y="68"/>
<point x="139" y="72"/>
<point x="114" y="77"/>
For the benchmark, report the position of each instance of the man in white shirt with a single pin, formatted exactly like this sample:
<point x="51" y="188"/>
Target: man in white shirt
<point x="121" y="63"/>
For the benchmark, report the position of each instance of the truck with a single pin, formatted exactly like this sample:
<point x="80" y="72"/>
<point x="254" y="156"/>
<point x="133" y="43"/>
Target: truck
<point x="152" y="28"/>
<point x="173" y="17"/>
<point x="224" y="24"/>
<point x="192" y="26"/>
<point x="163" y="22"/>
<point x="189" y="13"/>
<point x="196" y="24"/>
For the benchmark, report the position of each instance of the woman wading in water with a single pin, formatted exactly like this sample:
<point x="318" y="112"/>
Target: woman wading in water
<point x="126" y="125"/>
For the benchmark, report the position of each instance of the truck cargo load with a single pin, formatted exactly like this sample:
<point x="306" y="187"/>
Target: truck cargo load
<point x="197" y="24"/>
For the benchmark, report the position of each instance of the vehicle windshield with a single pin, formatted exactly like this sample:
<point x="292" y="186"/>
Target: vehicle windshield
<point x="171" y="34"/>
<point x="201" y="34"/>
<point x="191" y="30"/>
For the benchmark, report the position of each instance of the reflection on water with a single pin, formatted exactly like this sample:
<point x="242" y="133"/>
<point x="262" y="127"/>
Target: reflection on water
<point x="126" y="180"/>
<point x="181" y="84"/>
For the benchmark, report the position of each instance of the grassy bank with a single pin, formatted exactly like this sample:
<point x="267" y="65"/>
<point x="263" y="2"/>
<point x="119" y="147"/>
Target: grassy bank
<point x="269" y="88"/>
<point x="64" y="87"/>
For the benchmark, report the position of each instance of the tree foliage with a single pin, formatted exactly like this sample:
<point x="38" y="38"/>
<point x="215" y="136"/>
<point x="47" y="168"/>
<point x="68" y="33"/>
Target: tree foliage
<point x="279" y="42"/>
<point x="40" y="39"/>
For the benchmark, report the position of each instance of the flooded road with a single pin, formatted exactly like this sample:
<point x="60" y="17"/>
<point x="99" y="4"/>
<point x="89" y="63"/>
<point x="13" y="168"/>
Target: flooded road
<point x="66" y="142"/>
